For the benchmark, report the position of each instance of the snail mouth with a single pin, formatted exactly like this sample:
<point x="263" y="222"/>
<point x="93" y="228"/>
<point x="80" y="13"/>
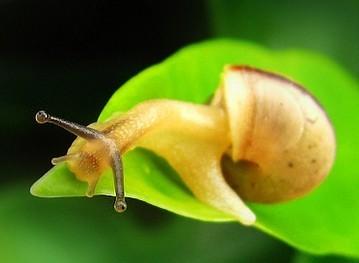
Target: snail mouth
<point x="240" y="175"/>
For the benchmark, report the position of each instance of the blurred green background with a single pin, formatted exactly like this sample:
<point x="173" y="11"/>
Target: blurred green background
<point x="68" y="57"/>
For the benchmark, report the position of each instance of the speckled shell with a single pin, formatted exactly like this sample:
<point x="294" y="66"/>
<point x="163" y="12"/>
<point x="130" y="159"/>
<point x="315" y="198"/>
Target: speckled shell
<point x="283" y="144"/>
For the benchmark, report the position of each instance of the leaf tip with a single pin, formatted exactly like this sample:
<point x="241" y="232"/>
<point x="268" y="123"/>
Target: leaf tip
<point x="34" y="189"/>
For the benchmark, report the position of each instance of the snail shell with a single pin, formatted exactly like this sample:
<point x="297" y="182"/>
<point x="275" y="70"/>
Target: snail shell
<point x="263" y="138"/>
<point x="283" y="144"/>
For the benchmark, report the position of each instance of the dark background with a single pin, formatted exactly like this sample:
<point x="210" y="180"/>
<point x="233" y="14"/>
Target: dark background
<point x="68" y="57"/>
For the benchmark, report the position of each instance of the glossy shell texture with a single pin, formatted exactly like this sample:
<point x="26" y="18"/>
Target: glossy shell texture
<point x="283" y="144"/>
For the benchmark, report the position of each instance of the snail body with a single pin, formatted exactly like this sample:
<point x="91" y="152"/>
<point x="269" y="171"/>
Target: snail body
<point x="262" y="139"/>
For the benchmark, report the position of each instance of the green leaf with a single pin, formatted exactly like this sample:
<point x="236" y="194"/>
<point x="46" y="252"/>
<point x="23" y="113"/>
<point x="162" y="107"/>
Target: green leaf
<point x="325" y="221"/>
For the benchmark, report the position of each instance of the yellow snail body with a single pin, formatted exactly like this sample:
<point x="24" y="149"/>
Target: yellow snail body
<point x="263" y="139"/>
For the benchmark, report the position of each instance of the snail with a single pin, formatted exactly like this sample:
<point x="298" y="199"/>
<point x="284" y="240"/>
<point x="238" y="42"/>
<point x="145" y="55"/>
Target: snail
<point x="262" y="138"/>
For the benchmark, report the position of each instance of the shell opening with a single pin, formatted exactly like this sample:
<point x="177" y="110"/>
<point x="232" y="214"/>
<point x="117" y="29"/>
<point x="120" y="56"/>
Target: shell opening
<point x="235" y="172"/>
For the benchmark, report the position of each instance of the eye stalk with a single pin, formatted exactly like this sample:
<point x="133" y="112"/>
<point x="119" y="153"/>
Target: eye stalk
<point x="91" y="134"/>
<point x="42" y="117"/>
<point x="76" y="129"/>
<point x="120" y="205"/>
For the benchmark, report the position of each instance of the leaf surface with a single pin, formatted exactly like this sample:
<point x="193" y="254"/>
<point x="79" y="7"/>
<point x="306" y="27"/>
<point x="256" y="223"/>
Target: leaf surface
<point x="325" y="221"/>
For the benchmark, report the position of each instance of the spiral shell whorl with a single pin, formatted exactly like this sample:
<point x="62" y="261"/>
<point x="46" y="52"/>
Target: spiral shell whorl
<point x="283" y="144"/>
